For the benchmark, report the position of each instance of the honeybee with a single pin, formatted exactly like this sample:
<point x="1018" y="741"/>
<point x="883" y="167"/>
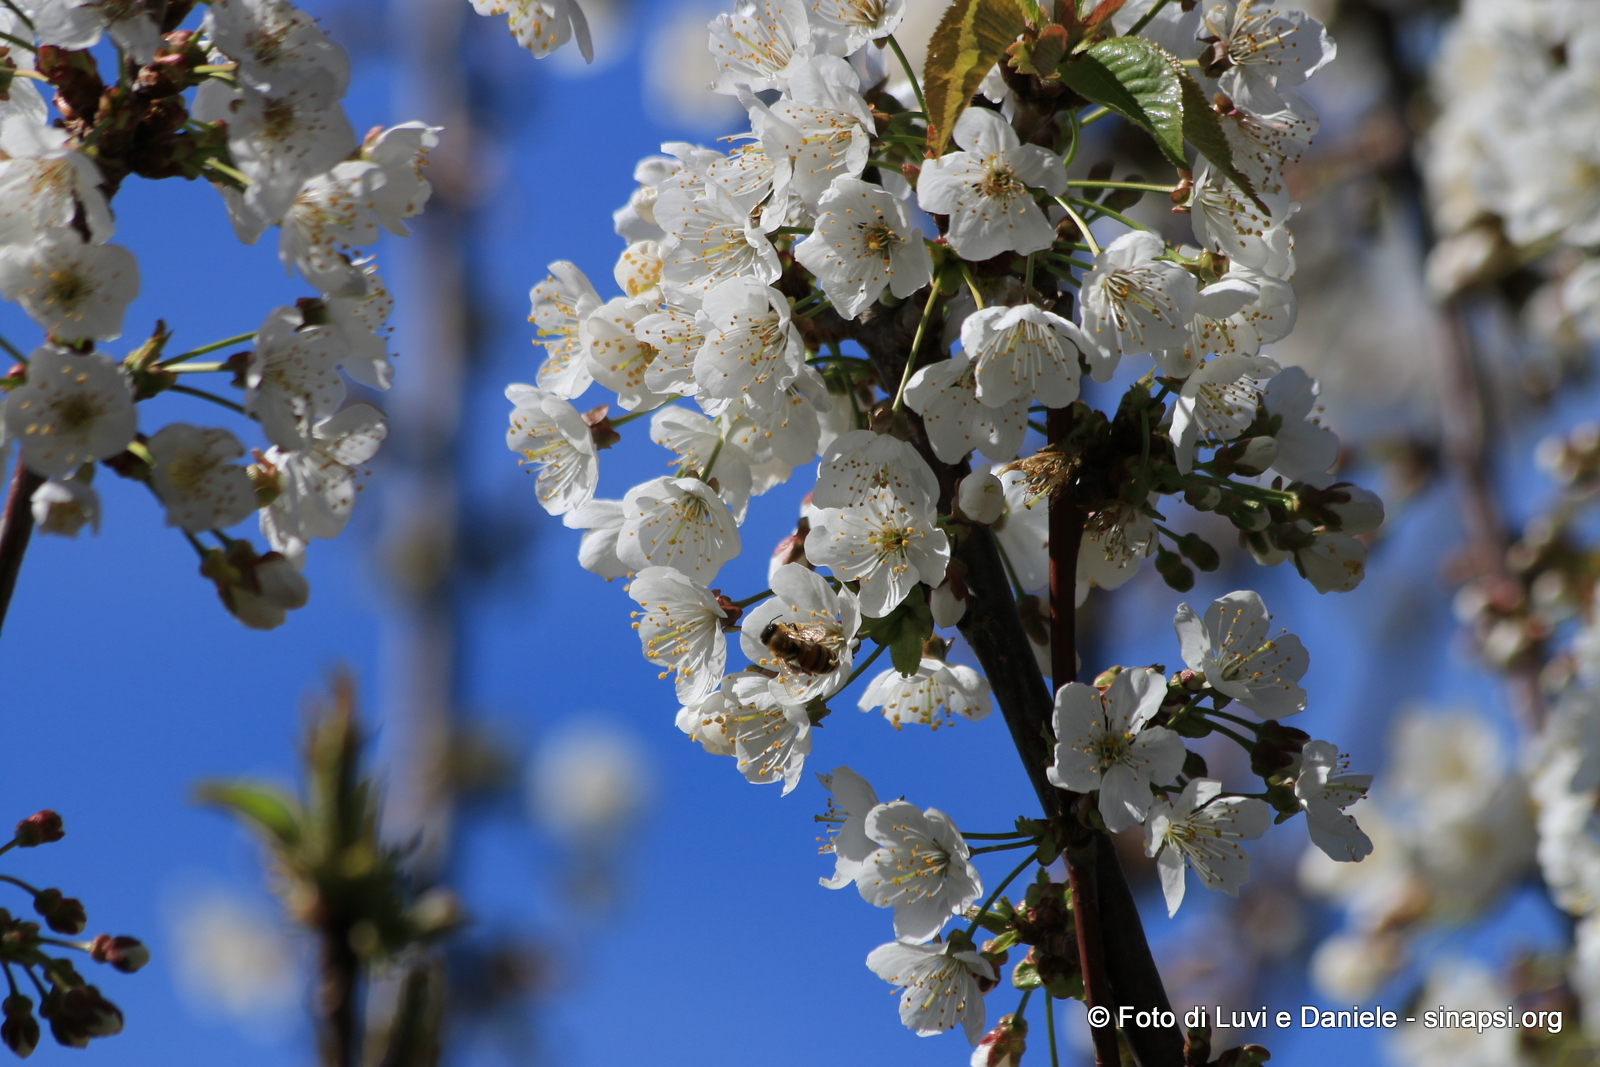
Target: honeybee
<point x="802" y="648"/>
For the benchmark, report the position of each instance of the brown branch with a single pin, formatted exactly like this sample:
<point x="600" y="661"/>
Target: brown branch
<point x="338" y="1026"/>
<point x="16" y="530"/>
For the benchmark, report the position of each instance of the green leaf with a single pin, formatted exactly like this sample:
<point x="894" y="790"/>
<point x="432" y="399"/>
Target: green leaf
<point x="1139" y="81"/>
<point x="1203" y="129"/>
<point x="968" y="42"/>
<point x="904" y="630"/>
<point x="265" y="808"/>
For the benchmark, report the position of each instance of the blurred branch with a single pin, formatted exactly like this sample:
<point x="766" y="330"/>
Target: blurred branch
<point x="16" y="529"/>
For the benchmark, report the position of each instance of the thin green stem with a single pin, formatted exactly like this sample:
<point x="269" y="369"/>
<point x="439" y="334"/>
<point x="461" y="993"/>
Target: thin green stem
<point x="1013" y="835"/>
<point x="203" y="350"/>
<point x="1234" y="718"/>
<point x="203" y="395"/>
<point x="623" y="420"/>
<point x="1094" y="116"/>
<point x="1022" y="1005"/>
<point x="905" y="65"/>
<point x="747" y="601"/>
<point x="1001" y="888"/>
<point x="1144" y="187"/>
<point x="198" y="545"/>
<point x="19" y="883"/>
<point x="1225" y="732"/>
<point x="792" y="230"/>
<point x="1072" y="149"/>
<point x="864" y="665"/>
<point x="1030" y="843"/>
<point x="1070" y="261"/>
<point x="916" y="342"/>
<point x="10" y="978"/>
<point x="1107" y="212"/>
<point x="19" y="42"/>
<point x="12" y="351"/>
<point x="1083" y="227"/>
<point x="1027" y="277"/>
<point x="197" y="368"/>
<point x="972" y="284"/>
<point x="227" y="171"/>
<point x="1050" y="1026"/>
<point x="1144" y="20"/>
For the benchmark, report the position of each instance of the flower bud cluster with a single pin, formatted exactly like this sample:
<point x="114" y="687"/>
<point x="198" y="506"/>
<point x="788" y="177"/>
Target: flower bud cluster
<point x="75" y="1010"/>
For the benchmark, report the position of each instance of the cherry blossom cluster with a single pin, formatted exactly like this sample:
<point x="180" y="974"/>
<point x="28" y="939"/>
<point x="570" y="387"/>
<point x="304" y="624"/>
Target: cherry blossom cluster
<point x="1509" y="162"/>
<point x="265" y="126"/>
<point x="846" y="287"/>
<point x="75" y="1010"/>
<point x="1461" y="825"/>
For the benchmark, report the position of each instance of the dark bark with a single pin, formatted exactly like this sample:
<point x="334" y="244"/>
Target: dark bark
<point x="16" y="530"/>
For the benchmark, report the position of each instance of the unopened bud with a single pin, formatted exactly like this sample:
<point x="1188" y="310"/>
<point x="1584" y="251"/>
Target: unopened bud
<point x="1003" y="1046"/>
<point x="1202" y="496"/>
<point x="20" y="1031"/>
<point x="64" y="915"/>
<point x="981" y="497"/>
<point x="791" y="549"/>
<point x="600" y="428"/>
<point x="40" y="828"/>
<point x="731" y="612"/>
<point x="1174" y="571"/>
<point x="1199" y="552"/>
<point x="126" y="954"/>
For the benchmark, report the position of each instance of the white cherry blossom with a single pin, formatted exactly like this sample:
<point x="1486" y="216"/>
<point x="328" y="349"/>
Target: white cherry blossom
<point x="292" y="380"/>
<point x="1231" y="224"/>
<point x="317" y="486"/>
<point x="921" y="868"/>
<point x="44" y="183"/>
<point x="561" y="304"/>
<point x="636" y="221"/>
<point x="674" y="329"/>
<point x="981" y="497"/>
<point x="63" y="507"/>
<point x="1266" y="49"/>
<point x="930" y="696"/>
<point x="702" y="722"/>
<point x="547" y="432"/>
<point x="1202" y="829"/>
<point x="638" y="271"/>
<point x="330" y="213"/>
<point x="276" y="45"/>
<point x="984" y="188"/>
<point x="1235" y="315"/>
<point x="542" y="26"/>
<point x="1024" y="532"/>
<point x="361" y="319"/>
<point x="678" y="523"/>
<point x="1306" y="448"/>
<point x="401" y="155"/>
<point x="860" y="461"/>
<point x="601" y="522"/>
<point x="263" y="593"/>
<point x="616" y="358"/>
<point x="1103" y="742"/>
<point x="77" y="24"/>
<point x="711" y="240"/>
<point x="74" y="291"/>
<point x="770" y="740"/>
<point x="704" y="447"/>
<point x="1234" y="647"/>
<point x="1135" y="302"/>
<point x="1217" y="403"/>
<point x="864" y="242"/>
<point x="945" y="394"/>
<point x="278" y="140"/>
<point x="887" y="543"/>
<point x="72" y="409"/>
<point x="1324" y="791"/>
<point x="805" y="632"/>
<point x="820" y="127"/>
<point x="1024" y="353"/>
<point x="193" y="472"/>
<point x="752" y="349"/>
<point x="941" y="985"/>
<point x="758" y="45"/>
<point x="680" y="628"/>
<point x="857" y="21"/>
<point x="852" y="799"/>
<point x="1116" y="540"/>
